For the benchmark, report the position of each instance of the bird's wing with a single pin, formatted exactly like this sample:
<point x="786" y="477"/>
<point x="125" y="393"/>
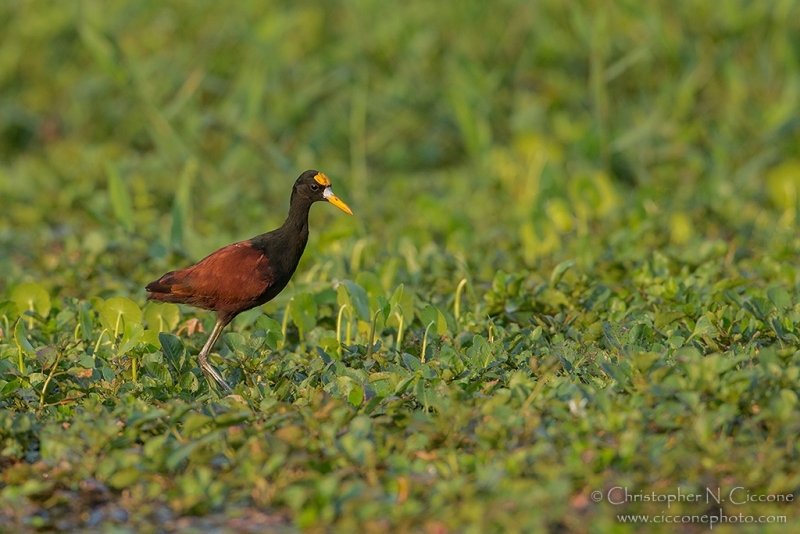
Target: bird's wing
<point x="232" y="275"/>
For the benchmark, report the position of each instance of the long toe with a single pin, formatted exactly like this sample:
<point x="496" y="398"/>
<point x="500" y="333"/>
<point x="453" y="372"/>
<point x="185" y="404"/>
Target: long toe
<point x="224" y="385"/>
<point x="212" y="374"/>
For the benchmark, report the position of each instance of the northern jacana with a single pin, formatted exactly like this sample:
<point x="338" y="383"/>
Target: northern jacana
<point x="247" y="274"/>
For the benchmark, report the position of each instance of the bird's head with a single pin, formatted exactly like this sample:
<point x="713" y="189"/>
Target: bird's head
<point x="315" y="186"/>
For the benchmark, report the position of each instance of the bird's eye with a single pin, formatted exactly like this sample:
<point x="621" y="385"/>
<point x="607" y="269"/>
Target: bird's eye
<point x="314" y="187"/>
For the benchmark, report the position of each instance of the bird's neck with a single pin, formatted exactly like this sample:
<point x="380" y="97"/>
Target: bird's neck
<point x="296" y="223"/>
<point x="284" y="246"/>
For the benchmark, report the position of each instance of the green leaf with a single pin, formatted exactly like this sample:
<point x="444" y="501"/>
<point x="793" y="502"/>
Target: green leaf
<point x="411" y="361"/>
<point x="174" y="351"/>
<point x="195" y="422"/>
<point x="120" y="198"/>
<point x="31" y="297"/>
<point x="150" y="337"/>
<point x="499" y="283"/>
<point x="703" y="326"/>
<point x="177" y="456"/>
<point x="8" y="309"/>
<point x="131" y="337"/>
<point x="20" y="336"/>
<point x="108" y="374"/>
<point x="480" y="353"/>
<point x="431" y="314"/>
<point x="676" y="342"/>
<point x="373" y="404"/>
<point x="536" y="334"/>
<point x="267" y="323"/>
<point x="237" y="343"/>
<point x="123" y="478"/>
<point x="734" y="297"/>
<point x="304" y="312"/>
<point x="385" y="308"/>
<point x="162" y="316"/>
<point x="779" y="297"/>
<point x="86" y="321"/>
<point x="426" y="394"/>
<point x="759" y="307"/>
<point x="160" y="372"/>
<point x="155" y="448"/>
<point x="402" y="303"/>
<point x="371" y="283"/>
<point x="427" y="371"/>
<point x="663" y="318"/>
<point x="117" y="311"/>
<point x="358" y="299"/>
<point x="46" y="356"/>
<point x="620" y="374"/>
<point x="328" y="345"/>
<point x="356" y="396"/>
<point x="232" y="418"/>
<point x="559" y="271"/>
<point x="272" y="330"/>
<point x="396" y="296"/>
<point x="86" y="361"/>
<point x="404" y="384"/>
<point x="189" y="382"/>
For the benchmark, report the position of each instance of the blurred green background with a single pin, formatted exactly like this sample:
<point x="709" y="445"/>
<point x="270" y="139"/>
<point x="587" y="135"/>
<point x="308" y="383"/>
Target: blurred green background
<point x="135" y="136"/>
<point x="591" y="206"/>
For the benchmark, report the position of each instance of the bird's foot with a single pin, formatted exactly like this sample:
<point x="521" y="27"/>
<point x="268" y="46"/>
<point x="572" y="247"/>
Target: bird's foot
<point x="213" y="375"/>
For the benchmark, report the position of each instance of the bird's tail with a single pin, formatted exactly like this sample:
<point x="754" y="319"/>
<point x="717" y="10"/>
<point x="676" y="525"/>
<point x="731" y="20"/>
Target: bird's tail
<point x="164" y="288"/>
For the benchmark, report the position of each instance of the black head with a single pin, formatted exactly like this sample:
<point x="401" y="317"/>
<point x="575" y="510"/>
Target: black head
<point x="313" y="186"/>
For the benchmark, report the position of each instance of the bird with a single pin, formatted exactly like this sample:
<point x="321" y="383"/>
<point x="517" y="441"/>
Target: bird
<point x="243" y="275"/>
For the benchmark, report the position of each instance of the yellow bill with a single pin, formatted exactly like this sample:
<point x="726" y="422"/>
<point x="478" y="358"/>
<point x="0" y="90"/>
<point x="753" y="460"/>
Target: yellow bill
<point x="336" y="201"/>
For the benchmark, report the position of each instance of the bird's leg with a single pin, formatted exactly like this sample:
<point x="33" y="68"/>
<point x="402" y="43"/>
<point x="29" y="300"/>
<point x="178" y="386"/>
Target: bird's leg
<point x="205" y="366"/>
